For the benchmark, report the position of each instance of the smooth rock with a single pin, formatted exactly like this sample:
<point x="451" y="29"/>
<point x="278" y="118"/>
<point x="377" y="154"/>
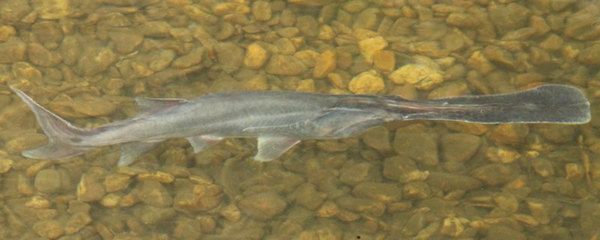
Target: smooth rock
<point x="377" y="138"/>
<point x="95" y="60"/>
<point x="52" y="9"/>
<point x="421" y="76"/>
<point x="13" y="50"/>
<point x="48" y="181"/>
<point x="414" y="142"/>
<point x="326" y="62"/>
<point x="263" y="206"/>
<point x="125" y="40"/>
<point x="369" y="46"/>
<point x="154" y="194"/>
<point x="256" y="56"/>
<point x="383" y="192"/>
<point x="285" y="65"/>
<point x="459" y="146"/>
<point x="369" y="82"/>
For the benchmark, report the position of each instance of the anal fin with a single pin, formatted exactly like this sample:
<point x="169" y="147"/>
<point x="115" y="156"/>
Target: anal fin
<point x="131" y="151"/>
<point x="199" y="143"/>
<point x="270" y="148"/>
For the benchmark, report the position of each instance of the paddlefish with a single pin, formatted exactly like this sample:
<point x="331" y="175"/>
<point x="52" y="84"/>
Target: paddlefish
<point x="280" y="120"/>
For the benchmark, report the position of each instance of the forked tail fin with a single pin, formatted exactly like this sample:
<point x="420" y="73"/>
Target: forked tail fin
<point x="551" y="103"/>
<point x="62" y="135"/>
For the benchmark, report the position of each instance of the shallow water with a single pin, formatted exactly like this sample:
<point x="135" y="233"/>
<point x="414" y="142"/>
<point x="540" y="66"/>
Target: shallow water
<point x="86" y="60"/>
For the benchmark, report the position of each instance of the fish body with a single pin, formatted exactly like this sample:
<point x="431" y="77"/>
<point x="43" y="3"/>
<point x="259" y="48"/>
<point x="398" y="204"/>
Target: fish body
<point x="282" y="119"/>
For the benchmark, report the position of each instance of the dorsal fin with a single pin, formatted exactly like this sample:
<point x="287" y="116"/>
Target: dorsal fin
<point x="152" y="104"/>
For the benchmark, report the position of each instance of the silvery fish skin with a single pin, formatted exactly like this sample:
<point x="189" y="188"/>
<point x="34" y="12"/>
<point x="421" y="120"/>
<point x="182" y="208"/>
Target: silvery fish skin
<point x="282" y="119"/>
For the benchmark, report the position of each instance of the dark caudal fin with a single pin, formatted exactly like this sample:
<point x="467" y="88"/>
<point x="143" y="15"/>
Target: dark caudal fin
<point x="62" y="135"/>
<point x="551" y="103"/>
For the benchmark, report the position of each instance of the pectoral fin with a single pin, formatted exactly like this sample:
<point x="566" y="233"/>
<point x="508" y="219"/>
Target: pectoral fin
<point x="201" y="142"/>
<point x="131" y="151"/>
<point x="270" y="148"/>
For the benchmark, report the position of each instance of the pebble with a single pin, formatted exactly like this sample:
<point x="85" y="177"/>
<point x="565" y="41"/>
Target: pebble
<point x="26" y="70"/>
<point x="261" y="10"/>
<point x="462" y="20"/>
<point x="367" y="206"/>
<point x="581" y="24"/>
<point x="414" y="142"/>
<point x="197" y="197"/>
<point x="369" y="82"/>
<point x="480" y="63"/>
<point x="308" y="26"/>
<point x="311" y="3"/>
<point x="494" y="174"/>
<point x="48" y="33"/>
<point x="95" y="60"/>
<point x="378" y="138"/>
<point x="285" y="65"/>
<point x="52" y="9"/>
<point x="231" y="213"/>
<point x="421" y="76"/>
<point x="89" y="189"/>
<point x="14" y="11"/>
<point x="41" y="56"/>
<point x="13" y="50"/>
<point x="501" y="154"/>
<point x="263" y="206"/>
<point x="257" y="82"/>
<point x="193" y="58"/>
<point x="111" y="200"/>
<point x="153" y="216"/>
<point x="48" y="181"/>
<point x="588" y="56"/>
<point x="306" y="85"/>
<point x="125" y="40"/>
<point x="449" y="182"/>
<point x="551" y="43"/>
<point x="38" y="202"/>
<point x="154" y="194"/>
<point x="416" y="190"/>
<point x="543" y="167"/>
<point x="77" y="221"/>
<point x="159" y="176"/>
<point x="384" y="60"/>
<point x="5" y="165"/>
<point x="24" y="186"/>
<point x="6" y="32"/>
<point x="511" y="134"/>
<point x="499" y="232"/>
<point x="508" y="17"/>
<point x="369" y="46"/>
<point x="186" y="228"/>
<point x="402" y="169"/>
<point x="382" y="192"/>
<point x="367" y="19"/>
<point x="229" y="55"/>
<point x="325" y="63"/>
<point x="353" y="173"/>
<point x="459" y="147"/>
<point x="51" y="229"/>
<point x="116" y="182"/>
<point x="500" y="56"/>
<point x="70" y="50"/>
<point x="256" y="56"/>
<point x="306" y="195"/>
